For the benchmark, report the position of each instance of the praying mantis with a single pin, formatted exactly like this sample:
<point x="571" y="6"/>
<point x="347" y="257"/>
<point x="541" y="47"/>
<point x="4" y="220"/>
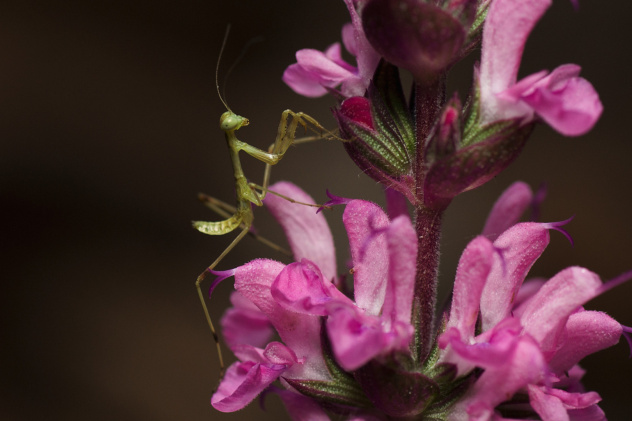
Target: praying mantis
<point x="247" y="193"/>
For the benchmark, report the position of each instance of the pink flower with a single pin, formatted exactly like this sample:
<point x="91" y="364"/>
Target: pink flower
<point x="292" y="298"/>
<point x="531" y="335"/>
<point x="565" y="101"/>
<point x="316" y="72"/>
<point x="502" y="339"/>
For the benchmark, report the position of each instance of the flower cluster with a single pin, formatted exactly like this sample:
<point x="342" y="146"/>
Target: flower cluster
<point x="503" y="338"/>
<point x="375" y="347"/>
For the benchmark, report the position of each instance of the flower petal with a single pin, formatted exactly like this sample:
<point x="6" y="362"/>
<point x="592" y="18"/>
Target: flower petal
<point x="567" y="103"/>
<point x="401" y="240"/>
<point x="549" y="407"/>
<point x="357" y="338"/>
<point x="242" y="383"/>
<point x="507" y="209"/>
<point x="369" y="253"/>
<point x="520" y="246"/>
<point x="245" y="324"/>
<point x="545" y="315"/>
<point x="507" y="26"/>
<point x="299" y="332"/>
<point x="366" y="56"/>
<point x="471" y="275"/>
<point x="300" y="287"/>
<point x="303" y="81"/>
<point x="495" y="385"/>
<point x="307" y="232"/>
<point x="586" y="333"/>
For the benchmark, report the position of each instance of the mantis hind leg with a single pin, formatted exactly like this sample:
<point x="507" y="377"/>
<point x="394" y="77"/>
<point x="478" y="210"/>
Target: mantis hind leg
<point x="222" y="367"/>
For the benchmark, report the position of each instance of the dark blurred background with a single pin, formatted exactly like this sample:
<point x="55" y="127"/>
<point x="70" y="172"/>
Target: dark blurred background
<point x="109" y="129"/>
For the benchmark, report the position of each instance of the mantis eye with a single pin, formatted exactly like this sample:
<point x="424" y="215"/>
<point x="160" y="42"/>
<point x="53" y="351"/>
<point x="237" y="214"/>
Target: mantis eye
<point x="230" y="121"/>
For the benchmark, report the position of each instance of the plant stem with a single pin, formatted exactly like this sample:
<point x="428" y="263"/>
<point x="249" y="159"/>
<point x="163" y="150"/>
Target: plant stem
<point x="428" y="227"/>
<point x="428" y="102"/>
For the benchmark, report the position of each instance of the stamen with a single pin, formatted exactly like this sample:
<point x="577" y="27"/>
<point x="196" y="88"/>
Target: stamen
<point x="627" y="334"/>
<point x="608" y="285"/>
<point x="557" y="226"/>
<point x="221" y="275"/>
<point x="333" y="200"/>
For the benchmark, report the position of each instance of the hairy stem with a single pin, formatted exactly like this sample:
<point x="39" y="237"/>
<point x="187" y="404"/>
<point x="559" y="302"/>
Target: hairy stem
<point x="428" y="227"/>
<point x="428" y="102"/>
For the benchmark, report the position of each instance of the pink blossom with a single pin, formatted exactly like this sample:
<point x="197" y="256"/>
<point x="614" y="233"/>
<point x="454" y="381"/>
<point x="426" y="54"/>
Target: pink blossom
<point x="291" y="298"/>
<point x="565" y="101"/>
<point x="531" y="336"/>
<point x="502" y="335"/>
<point x="315" y="72"/>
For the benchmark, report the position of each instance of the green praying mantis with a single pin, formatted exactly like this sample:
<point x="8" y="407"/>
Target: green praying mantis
<point x="247" y="193"/>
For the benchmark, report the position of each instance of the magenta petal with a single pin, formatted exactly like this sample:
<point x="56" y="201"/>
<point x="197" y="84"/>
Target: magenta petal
<point x="330" y="72"/>
<point x="592" y="413"/>
<point x="369" y="253"/>
<point x="300" y="287"/>
<point x="545" y="315"/>
<point x="366" y="56"/>
<point x="519" y="247"/>
<point x="483" y="355"/>
<point x="586" y="333"/>
<point x="396" y="203"/>
<point x="567" y="103"/>
<point x="301" y="408"/>
<point x="549" y="407"/>
<point x="356" y="338"/>
<point x="245" y="325"/>
<point x="242" y="383"/>
<point x="471" y="275"/>
<point x="307" y="232"/>
<point x="401" y="240"/>
<point x="576" y="400"/>
<point x="299" y="332"/>
<point x="278" y="353"/>
<point x="508" y="209"/>
<point x="303" y="81"/>
<point x="315" y="71"/>
<point x="507" y="26"/>
<point x="496" y="384"/>
<point x="556" y="404"/>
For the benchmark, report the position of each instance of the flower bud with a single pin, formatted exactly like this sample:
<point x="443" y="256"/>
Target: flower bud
<point x="420" y="37"/>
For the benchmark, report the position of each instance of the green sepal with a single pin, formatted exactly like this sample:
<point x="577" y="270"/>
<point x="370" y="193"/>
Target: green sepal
<point x="381" y="151"/>
<point x="388" y="105"/>
<point x="331" y="392"/>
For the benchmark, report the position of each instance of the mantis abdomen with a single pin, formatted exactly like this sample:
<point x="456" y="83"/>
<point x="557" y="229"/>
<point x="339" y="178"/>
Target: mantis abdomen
<point x="219" y="227"/>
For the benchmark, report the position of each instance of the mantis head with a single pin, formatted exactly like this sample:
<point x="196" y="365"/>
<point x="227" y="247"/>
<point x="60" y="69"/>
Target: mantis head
<point x="230" y="121"/>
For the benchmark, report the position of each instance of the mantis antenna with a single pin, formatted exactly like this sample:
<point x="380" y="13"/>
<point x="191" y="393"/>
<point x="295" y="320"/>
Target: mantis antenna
<point x="219" y="59"/>
<point x="222" y="96"/>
